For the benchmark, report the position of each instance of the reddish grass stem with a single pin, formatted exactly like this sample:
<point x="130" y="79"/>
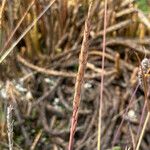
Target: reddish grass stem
<point x="102" y="78"/>
<point x="80" y="77"/>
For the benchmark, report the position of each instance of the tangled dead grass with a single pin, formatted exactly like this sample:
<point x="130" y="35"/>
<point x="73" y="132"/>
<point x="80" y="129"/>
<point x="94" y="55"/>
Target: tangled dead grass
<point x="43" y="67"/>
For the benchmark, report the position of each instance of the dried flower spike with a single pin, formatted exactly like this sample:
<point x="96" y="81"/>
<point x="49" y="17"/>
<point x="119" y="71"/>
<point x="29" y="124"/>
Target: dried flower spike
<point x="143" y="71"/>
<point x="10" y="127"/>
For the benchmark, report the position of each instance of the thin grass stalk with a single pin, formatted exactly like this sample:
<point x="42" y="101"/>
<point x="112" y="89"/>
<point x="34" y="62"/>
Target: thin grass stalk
<point x="1" y="12"/>
<point x="102" y="79"/>
<point x="122" y="121"/>
<point x="17" y="26"/>
<point x="141" y="121"/>
<point x="80" y="77"/>
<point x="35" y="142"/>
<point x="143" y="130"/>
<point x="8" y="51"/>
<point x="142" y="118"/>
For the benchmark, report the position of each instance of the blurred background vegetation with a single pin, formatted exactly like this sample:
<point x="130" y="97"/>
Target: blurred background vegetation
<point x="144" y="5"/>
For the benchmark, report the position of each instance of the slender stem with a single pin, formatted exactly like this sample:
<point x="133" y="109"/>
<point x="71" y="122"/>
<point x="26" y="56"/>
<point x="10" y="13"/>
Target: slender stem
<point x="122" y="121"/>
<point x="141" y="121"/>
<point x="143" y="130"/>
<point x="102" y="79"/>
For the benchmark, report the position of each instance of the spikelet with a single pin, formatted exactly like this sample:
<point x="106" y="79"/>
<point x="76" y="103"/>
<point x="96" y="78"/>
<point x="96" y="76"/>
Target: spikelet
<point x="10" y="127"/>
<point x="143" y="70"/>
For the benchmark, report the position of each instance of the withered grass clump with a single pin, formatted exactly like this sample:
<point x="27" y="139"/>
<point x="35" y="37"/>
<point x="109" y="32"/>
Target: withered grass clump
<point x="40" y="44"/>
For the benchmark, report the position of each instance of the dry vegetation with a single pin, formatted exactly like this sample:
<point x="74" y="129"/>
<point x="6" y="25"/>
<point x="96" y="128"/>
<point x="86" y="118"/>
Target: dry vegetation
<point x="40" y="43"/>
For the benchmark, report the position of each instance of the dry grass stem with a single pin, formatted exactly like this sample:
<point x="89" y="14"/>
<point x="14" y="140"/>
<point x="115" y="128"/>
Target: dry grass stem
<point x="62" y="73"/>
<point x="143" y="18"/>
<point x="36" y="140"/>
<point x="117" y="26"/>
<point x="17" y="26"/>
<point x="25" y="32"/>
<point x="1" y="12"/>
<point x="143" y="130"/>
<point x="80" y="77"/>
